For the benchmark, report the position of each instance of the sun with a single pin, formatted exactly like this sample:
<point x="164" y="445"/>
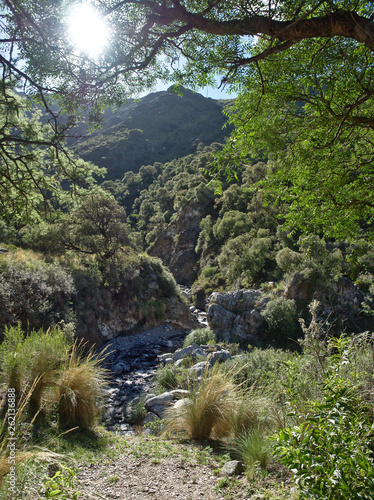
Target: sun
<point x="87" y="29"/>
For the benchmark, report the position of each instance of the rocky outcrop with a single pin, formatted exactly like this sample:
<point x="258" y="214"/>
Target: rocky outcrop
<point x="176" y="245"/>
<point x="236" y="316"/>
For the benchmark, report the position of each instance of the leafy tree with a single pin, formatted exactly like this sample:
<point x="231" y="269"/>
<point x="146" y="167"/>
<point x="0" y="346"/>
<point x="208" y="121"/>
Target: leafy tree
<point x="97" y="226"/>
<point x="34" y="162"/>
<point x="304" y="71"/>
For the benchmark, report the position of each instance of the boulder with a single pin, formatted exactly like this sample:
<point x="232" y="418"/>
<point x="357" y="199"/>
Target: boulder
<point x="236" y="315"/>
<point x="299" y="289"/>
<point x="233" y="468"/>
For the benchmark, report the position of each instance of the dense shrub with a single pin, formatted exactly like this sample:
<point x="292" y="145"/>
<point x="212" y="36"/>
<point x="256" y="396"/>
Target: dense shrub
<point x="282" y="320"/>
<point x="34" y="293"/>
<point x="199" y="336"/>
<point x="330" y="452"/>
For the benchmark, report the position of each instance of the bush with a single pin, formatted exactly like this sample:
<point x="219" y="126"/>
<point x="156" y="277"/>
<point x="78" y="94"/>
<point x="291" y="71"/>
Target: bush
<point x="169" y="377"/>
<point x="34" y="293"/>
<point x="282" y="320"/>
<point x="30" y="363"/>
<point x="200" y="336"/>
<point x="13" y="359"/>
<point x="46" y="352"/>
<point x="330" y="453"/>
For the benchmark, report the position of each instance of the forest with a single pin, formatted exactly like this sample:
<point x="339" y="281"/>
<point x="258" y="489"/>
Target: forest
<point x="126" y="211"/>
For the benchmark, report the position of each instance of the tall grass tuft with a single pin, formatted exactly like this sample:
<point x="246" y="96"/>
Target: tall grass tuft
<point x="81" y="388"/>
<point x="253" y="449"/>
<point x="200" y="336"/>
<point x="206" y="412"/>
<point x="252" y="412"/>
<point x="48" y="350"/>
<point x="13" y="359"/>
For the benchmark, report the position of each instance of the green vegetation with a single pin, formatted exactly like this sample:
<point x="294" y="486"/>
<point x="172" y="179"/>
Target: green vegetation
<point x="286" y="204"/>
<point x="318" y="403"/>
<point x="200" y="336"/>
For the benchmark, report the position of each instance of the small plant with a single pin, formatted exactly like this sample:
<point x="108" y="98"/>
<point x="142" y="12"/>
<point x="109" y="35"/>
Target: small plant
<point x="156" y="427"/>
<point x="81" y="388"/>
<point x="282" y="320"/>
<point x="253" y="449"/>
<point x="251" y="413"/>
<point x="63" y="485"/>
<point x="13" y="359"/>
<point x="199" y="336"/>
<point x="169" y="377"/>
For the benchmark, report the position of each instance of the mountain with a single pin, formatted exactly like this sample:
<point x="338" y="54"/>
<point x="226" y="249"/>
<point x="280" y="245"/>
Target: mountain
<point x="157" y="128"/>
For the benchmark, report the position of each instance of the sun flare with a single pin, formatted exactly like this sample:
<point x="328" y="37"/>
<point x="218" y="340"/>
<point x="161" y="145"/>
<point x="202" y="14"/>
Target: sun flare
<point x="87" y="30"/>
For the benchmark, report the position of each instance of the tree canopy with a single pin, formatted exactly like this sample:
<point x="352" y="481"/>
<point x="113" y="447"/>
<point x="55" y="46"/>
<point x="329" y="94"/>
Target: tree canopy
<point x="304" y="72"/>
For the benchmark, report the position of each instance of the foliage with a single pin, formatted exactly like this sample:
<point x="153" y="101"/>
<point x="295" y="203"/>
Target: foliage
<point x="34" y="292"/>
<point x="199" y="336"/>
<point x="252" y="448"/>
<point x="62" y="485"/>
<point x="169" y="377"/>
<point x="242" y="259"/>
<point x="282" y="319"/>
<point x="306" y="117"/>
<point x="312" y="259"/>
<point x="46" y="352"/>
<point x="30" y="362"/>
<point x="304" y="74"/>
<point x="36" y="166"/>
<point x="14" y="359"/>
<point x="329" y="452"/>
<point x="97" y="226"/>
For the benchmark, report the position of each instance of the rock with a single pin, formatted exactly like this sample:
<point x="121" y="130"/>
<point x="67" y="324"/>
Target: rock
<point x="236" y="316"/>
<point x="198" y="369"/>
<point x="182" y="403"/>
<point x="219" y="356"/>
<point x="163" y="357"/>
<point x="159" y="410"/>
<point x="179" y="314"/>
<point x="220" y="320"/>
<point x="159" y="404"/>
<point x="162" y="399"/>
<point x="299" y="289"/>
<point x="349" y="292"/>
<point x="179" y="393"/>
<point x="185" y="352"/>
<point x="176" y="245"/>
<point x="150" y="417"/>
<point x="233" y="468"/>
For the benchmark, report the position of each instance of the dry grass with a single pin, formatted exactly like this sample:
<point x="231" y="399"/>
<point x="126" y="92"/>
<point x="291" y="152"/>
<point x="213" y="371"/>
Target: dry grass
<point x="207" y="411"/>
<point x="81" y="388"/>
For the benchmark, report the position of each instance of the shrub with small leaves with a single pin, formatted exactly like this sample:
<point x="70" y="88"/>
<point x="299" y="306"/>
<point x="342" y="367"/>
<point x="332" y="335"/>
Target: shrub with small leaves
<point x="282" y="320"/>
<point x="330" y="452"/>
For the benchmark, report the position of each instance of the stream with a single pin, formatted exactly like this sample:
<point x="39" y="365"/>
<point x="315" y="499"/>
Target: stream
<point x="132" y="363"/>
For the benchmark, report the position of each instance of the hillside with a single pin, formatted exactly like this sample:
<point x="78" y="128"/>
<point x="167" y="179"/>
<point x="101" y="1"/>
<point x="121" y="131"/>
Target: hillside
<point x="159" y="127"/>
